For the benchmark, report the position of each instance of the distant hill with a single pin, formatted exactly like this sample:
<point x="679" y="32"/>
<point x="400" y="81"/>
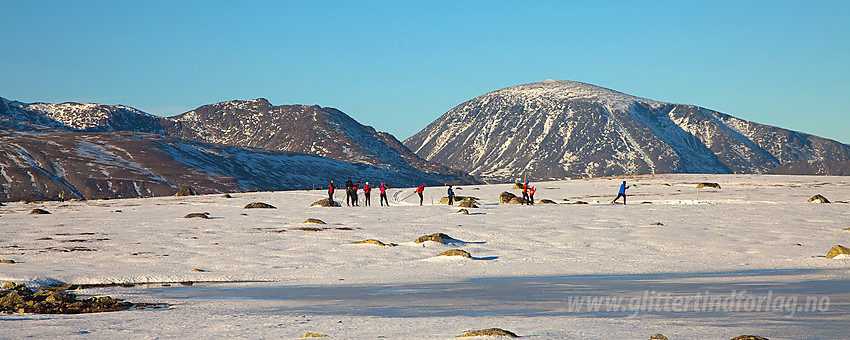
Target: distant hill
<point x="560" y="129"/>
<point x="102" y="151"/>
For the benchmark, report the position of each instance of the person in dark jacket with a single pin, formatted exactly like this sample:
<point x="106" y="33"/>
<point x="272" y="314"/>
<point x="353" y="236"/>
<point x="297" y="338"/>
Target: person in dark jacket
<point x="451" y="195"/>
<point x="348" y="195"/>
<point x="355" y="200"/>
<point x="622" y="193"/>
<point x="525" y="193"/>
<point x="383" y="190"/>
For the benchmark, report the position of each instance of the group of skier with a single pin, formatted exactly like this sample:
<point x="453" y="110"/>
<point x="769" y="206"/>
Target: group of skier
<point x="352" y="199"/>
<point x="351" y="196"/>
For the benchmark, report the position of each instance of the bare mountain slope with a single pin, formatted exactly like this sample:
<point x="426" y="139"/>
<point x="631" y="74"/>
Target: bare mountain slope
<point x="558" y="129"/>
<point x="90" y="165"/>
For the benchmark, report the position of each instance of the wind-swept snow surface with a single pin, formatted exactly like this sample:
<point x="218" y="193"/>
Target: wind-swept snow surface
<point x="529" y="266"/>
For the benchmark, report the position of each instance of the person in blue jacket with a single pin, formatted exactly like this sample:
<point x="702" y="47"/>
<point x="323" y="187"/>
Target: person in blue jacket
<point x="622" y="193"/>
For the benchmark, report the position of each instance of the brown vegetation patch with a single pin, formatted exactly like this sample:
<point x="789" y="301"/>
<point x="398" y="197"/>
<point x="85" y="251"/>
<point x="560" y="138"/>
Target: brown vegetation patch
<point x="376" y="242"/>
<point x="308" y="229"/>
<point x="314" y="221"/>
<point x="488" y="332"/>
<point x="69" y="250"/>
<point x="204" y="215"/>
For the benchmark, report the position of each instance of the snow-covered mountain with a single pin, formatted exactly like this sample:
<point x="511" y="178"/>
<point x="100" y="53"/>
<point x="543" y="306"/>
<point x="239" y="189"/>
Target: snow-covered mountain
<point x="314" y="130"/>
<point x="560" y="129"/>
<point x="82" y="117"/>
<point x="103" y="151"/>
<point x="91" y="165"/>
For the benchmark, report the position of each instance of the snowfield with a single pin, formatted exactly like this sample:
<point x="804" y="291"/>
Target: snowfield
<point x="262" y="273"/>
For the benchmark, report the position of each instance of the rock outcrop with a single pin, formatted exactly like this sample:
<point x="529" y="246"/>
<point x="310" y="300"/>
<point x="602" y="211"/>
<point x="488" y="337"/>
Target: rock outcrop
<point x="818" y="198"/>
<point x="456" y="252"/>
<point x="838" y="250"/>
<point x="438" y="237"/>
<point x="259" y="205"/>
<point x="325" y="202"/>
<point x="488" y="332"/>
<point x="185" y="191"/>
<point x="506" y="197"/>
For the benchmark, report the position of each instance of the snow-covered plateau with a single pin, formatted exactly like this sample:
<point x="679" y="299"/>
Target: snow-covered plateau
<point x="748" y="258"/>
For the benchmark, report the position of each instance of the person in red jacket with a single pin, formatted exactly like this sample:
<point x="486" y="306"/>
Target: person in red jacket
<point x="531" y="191"/>
<point x="419" y="191"/>
<point x="331" y="193"/>
<point x="367" y="190"/>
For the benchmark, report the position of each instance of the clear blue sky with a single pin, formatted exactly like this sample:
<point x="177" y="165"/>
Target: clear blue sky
<point x="398" y="65"/>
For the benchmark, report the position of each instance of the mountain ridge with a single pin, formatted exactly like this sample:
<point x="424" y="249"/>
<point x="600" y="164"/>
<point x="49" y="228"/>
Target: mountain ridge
<point x="562" y="129"/>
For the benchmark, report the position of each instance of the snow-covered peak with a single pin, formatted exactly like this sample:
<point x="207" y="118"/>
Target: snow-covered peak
<point x="570" y="90"/>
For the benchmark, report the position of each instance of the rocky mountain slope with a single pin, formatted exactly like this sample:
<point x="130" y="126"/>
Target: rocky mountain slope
<point x="314" y="130"/>
<point x="101" y="151"/>
<point x="91" y="165"/>
<point x="560" y="129"/>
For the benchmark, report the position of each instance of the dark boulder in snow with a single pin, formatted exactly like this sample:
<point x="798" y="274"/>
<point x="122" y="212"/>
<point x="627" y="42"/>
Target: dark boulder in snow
<point x="325" y="203"/>
<point x="185" y="191"/>
<point x="837" y="250"/>
<point x="488" y="332"/>
<point x="506" y="197"/>
<point x="39" y="212"/>
<point x="204" y="215"/>
<point x="456" y="252"/>
<point x="438" y="237"/>
<point x="259" y="205"/>
<point x="818" y="198"/>
<point x="708" y="185"/>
